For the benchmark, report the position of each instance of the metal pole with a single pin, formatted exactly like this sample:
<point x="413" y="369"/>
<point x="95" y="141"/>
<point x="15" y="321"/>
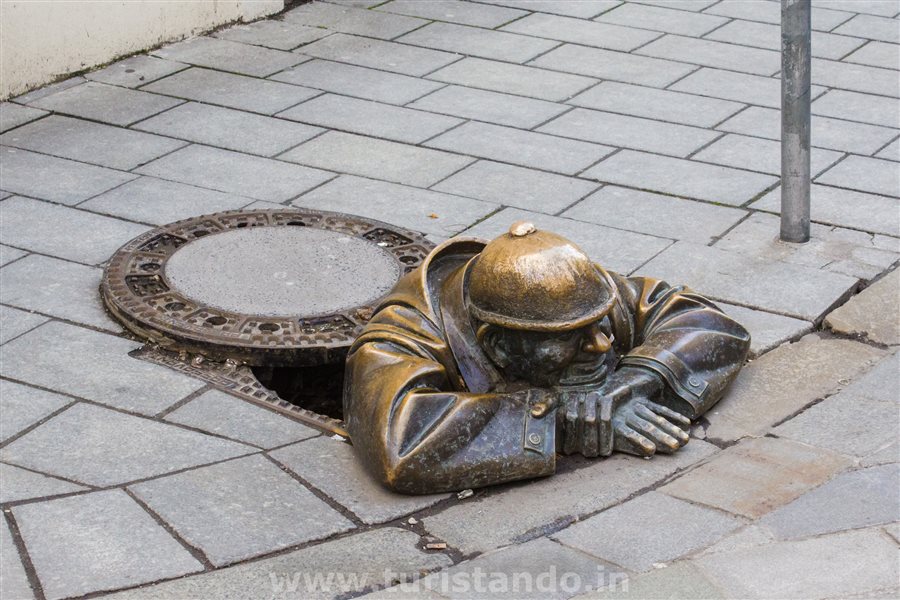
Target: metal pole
<point x="795" y="83"/>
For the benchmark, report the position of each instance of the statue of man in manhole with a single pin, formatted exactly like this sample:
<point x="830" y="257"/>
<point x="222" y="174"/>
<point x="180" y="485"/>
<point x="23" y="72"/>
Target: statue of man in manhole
<point x="489" y="359"/>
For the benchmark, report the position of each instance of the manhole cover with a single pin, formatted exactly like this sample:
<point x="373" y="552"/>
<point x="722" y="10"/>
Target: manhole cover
<point x="284" y="287"/>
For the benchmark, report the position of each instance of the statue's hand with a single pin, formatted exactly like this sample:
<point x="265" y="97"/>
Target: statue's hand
<point x="643" y="427"/>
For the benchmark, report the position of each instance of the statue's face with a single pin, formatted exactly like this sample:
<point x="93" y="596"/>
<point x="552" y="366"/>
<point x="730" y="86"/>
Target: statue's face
<point x="547" y="358"/>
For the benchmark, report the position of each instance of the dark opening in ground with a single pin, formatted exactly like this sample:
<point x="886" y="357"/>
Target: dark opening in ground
<point x="317" y="389"/>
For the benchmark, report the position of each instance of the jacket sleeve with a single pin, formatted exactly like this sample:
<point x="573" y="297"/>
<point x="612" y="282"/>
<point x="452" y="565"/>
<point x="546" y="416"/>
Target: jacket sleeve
<point x="695" y="347"/>
<point x="413" y="428"/>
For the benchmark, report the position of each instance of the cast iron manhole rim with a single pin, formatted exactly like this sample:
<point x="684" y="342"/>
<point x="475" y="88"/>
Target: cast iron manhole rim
<point x="136" y="291"/>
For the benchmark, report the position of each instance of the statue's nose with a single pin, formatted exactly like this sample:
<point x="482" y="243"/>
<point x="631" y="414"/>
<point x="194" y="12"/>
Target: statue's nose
<point x="597" y="342"/>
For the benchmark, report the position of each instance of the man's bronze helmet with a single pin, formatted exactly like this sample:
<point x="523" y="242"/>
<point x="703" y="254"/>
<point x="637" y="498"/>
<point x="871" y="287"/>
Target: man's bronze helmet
<point x="537" y="281"/>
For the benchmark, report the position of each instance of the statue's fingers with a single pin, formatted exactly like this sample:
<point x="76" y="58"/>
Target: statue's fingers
<point x="572" y="422"/>
<point x="636" y="443"/>
<point x="673" y="416"/>
<point x="664" y="442"/>
<point x="674" y="430"/>
<point x="590" y="444"/>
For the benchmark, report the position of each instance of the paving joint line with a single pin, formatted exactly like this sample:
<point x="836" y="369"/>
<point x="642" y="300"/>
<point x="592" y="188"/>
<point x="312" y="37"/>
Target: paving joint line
<point x="19" y="542"/>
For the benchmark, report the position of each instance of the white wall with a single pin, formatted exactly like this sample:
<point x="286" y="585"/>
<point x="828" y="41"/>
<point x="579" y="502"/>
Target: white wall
<point x="41" y="40"/>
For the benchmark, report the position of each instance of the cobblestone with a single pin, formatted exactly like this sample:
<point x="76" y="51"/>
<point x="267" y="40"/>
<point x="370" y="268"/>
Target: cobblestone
<point x="98" y="541"/>
<point x="318" y="460"/>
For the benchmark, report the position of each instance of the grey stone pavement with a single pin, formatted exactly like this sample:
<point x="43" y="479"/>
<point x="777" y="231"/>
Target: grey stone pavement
<point x="646" y="131"/>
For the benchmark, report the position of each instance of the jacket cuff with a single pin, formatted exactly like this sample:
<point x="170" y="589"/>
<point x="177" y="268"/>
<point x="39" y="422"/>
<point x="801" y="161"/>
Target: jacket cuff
<point x="680" y="380"/>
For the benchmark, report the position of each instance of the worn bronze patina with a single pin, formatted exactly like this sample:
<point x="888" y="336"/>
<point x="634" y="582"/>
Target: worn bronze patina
<point x="490" y="358"/>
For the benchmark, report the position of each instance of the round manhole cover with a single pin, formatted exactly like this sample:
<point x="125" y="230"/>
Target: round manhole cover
<point x="270" y="287"/>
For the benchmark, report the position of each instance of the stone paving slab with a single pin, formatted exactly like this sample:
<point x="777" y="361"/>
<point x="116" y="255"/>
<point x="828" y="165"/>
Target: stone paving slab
<point x="223" y="414"/>
<point x="55" y="179"/>
<point x="229" y="56"/>
<point x="97" y="446"/>
<point x="474" y="41"/>
<point x="420" y="210"/>
<point x="891" y="151"/>
<point x="616" y="249"/>
<point x="709" y="53"/>
<point x="766" y="35"/>
<point x="523" y="148"/>
<point x="722" y="185"/>
<point x="15" y="322"/>
<point x="367" y="555"/>
<point x="615" y="66"/>
<point x="239" y="509"/>
<point x="864" y="174"/>
<point x="376" y="158"/>
<point x="845" y="251"/>
<point x="369" y="23"/>
<point x="584" y="9"/>
<point x="370" y="118"/>
<point x="229" y="129"/>
<point x="859" y="78"/>
<point x="525" y="572"/>
<point x="455" y="11"/>
<point x="49" y="89"/>
<point x="823" y="19"/>
<point x="757" y="476"/>
<point x="513" y="79"/>
<point x="784" y="381"/>
<point x="657" y="18"/>
<point x="63" y="232"/>
<point x="871" y="27"/>
<point x="318" y="460"/>
<point x="653" y="528"/>
<point x="835" y="134"/>
<point x="21" y="484"/>
<point x="233" y="91"/>
<point x="579" y="31"/>
<point x="655" y="214"/>
<point x="241" y="174"/>
<point x="64" y="289"/>
<point x="829" y="205"/>
<point x="378" y="54"/>
<point x="664" y="105"/>
<point x="884" y="8"/>
<point x="680" y="580"/>
<point x="851" y="500"/>
<point x="9" y="254"/>
<point x="831" y="566"/>
<point x="23" y="406"/>
<point x="135" y="71"/>
<point x="767" y="330"/>
<point x="359" y="82"/>
<point x="13" y="115"/>
<point x="106" y="103"/>
<point x="278" y="35"/>
<point x="493" y="107"/>
<point x="629" y="132"/>
<point x="793" y="290"/>
<point x="516" y="186"/>
<point x="877" y="54"/>
<point x="89" y="142"/>
<point x="738" y="87"/>
<point x="853" y="106"/>
<point x="95" y="366"/>
<point x="13" y="579"/>
<point x="755" y="154"/>
<point x="546" y="505"/>
<point x="871" y="313"/>
<point x="157" y="201"/>
<point x="98" y="541"/>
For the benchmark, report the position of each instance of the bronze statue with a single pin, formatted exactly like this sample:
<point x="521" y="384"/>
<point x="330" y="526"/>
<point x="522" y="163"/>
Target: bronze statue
<point x="490" y="358"/>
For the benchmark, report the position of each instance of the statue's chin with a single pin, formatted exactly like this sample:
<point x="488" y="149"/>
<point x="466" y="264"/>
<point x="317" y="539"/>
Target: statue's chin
<point x="586" y="373"/>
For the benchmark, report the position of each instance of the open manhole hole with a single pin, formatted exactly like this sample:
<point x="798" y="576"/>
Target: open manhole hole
<point x="262" y="303"/>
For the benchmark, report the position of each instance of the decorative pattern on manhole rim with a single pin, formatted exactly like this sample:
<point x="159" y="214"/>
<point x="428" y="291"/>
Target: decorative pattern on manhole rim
<point x="136" y="290"/>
